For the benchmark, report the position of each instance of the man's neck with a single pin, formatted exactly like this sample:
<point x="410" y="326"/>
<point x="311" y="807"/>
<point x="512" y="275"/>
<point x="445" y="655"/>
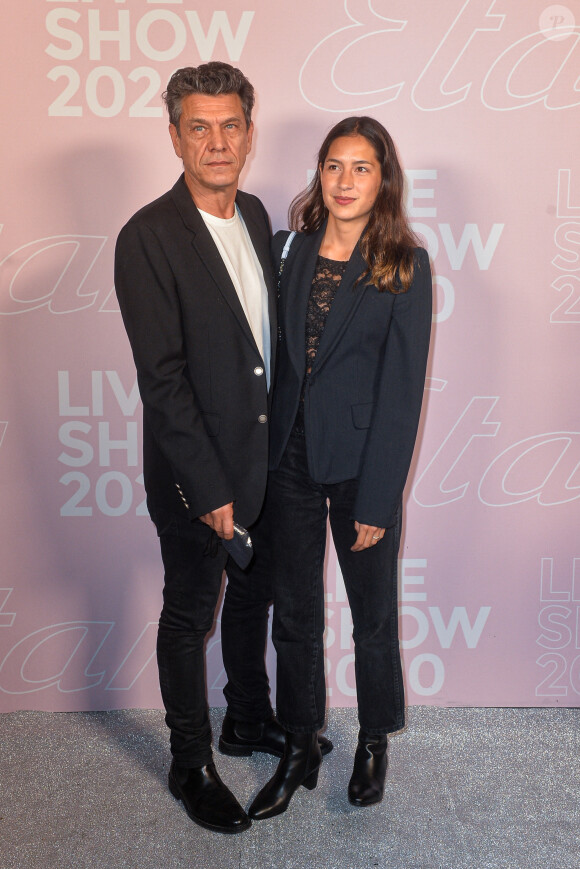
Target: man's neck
<point x="219" y="203"/>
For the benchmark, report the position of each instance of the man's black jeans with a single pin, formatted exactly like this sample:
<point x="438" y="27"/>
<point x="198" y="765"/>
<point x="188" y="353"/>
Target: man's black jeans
<point x="194" y="565"/>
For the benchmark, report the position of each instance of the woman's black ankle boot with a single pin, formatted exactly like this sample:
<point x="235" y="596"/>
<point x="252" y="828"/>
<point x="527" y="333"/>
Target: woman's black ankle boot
<point x="367" y="782"/>
<point x="299" y="766"/>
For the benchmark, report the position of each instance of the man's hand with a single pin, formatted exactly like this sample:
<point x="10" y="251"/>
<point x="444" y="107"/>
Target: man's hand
<point x="367" y="535"/>
<point x="221" y="520"/>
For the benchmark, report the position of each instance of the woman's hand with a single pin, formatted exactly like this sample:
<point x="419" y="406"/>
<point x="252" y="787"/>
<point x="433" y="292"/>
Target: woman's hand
<point x="367" y="536"/>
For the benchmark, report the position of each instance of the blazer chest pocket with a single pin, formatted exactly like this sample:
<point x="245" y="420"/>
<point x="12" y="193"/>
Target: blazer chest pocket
<point x="212" y="424"/>
<point x="362" y="414"/>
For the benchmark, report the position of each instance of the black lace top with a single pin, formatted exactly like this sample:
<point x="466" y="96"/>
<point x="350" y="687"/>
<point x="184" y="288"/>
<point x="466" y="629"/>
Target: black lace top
<point x="327" y="278"/>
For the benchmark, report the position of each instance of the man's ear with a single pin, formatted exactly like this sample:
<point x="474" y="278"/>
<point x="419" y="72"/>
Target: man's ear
<point x="250" y="136"/>
<point x="175" y="139"/>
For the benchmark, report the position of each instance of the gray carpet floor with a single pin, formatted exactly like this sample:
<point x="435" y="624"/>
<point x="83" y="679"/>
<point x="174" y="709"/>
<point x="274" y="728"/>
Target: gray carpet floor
<point x="466" y="789"/>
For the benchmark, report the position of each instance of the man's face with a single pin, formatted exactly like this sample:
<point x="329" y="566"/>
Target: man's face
<point x="213" y="142"/>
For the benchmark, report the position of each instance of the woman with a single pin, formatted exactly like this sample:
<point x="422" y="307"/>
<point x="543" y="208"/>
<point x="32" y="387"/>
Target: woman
<point x="355" y="315"/>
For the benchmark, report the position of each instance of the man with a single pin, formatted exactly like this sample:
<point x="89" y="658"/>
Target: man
<point x="194" y="283"/>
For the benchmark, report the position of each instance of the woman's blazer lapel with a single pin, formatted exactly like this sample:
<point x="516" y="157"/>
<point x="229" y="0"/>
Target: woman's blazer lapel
<point x="295" y="295"/>
<point x="346" y="302"/>
<point x="347" y="299"/>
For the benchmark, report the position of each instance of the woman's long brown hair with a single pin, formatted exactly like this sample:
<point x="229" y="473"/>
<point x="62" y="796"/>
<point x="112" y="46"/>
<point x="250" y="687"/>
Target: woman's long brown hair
<point x="388" y="242"/>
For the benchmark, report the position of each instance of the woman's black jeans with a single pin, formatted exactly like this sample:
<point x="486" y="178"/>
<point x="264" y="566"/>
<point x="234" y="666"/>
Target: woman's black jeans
<point x="298" y="516"/>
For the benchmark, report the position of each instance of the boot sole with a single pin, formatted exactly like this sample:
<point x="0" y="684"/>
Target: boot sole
<point x="362" y="804"/>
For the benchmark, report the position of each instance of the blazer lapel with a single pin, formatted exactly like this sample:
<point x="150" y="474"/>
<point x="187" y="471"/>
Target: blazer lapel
<point x="209" y="255"/>
<point x="347" y="299"/>
<point x="296" y="295"/>
<point x="261" y="243"/>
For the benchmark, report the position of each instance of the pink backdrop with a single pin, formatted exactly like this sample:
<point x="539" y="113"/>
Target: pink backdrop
<point x="482" y="97"/>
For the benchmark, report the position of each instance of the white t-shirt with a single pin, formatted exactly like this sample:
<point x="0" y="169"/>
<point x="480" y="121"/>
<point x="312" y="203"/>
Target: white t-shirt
<point x="237" y="251"/>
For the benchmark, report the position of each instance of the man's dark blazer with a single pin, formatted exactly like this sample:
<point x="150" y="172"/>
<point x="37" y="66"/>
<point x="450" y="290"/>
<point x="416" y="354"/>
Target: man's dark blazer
<point x="363" y="396"/>
<point x="200" y="374"/>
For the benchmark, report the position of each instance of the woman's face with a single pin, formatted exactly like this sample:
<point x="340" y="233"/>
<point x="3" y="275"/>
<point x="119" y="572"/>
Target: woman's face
<point x="351" y="179"/>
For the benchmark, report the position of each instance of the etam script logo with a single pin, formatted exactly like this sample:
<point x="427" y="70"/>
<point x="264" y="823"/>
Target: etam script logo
<point x="55" y="273"/>
<point x="466" y="57"/>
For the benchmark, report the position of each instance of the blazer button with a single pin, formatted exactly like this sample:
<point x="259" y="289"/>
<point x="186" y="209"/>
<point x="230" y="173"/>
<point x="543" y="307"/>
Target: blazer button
<point x="258" y="371"/>
<point x="262" y="418"/>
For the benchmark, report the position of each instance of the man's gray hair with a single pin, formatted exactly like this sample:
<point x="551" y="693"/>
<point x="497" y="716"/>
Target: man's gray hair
<point x="211" y="79"/>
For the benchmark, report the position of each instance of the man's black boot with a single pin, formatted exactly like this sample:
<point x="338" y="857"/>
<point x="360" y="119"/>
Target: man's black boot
<point x="240" y="739"/>
<point x="207" y="800"/>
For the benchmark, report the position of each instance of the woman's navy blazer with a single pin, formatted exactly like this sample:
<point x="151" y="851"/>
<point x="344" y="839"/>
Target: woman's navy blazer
<point x="363" y="396"/>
